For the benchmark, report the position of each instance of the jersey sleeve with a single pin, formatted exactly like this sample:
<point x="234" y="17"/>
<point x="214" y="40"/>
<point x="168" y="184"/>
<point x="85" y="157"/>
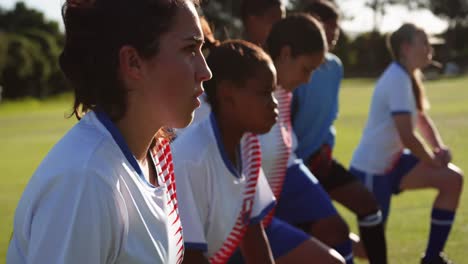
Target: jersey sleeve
<point x="79" y="222"/>
<point x="264" y="200"/>
<point x="400" y="96"/>
<point x="191" y="213"/>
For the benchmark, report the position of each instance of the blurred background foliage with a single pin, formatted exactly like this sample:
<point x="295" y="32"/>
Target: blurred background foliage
<point x="30" y="44"/>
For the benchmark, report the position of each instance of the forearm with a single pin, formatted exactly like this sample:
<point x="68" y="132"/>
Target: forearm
<point x="255" y="246"/>
<point x="417" y="148"/>
<point x="429" y="132"/>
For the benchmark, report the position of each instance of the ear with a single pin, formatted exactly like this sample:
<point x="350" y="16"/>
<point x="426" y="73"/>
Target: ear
<point x="405" y="48"/>
<point x="130" y="63"/>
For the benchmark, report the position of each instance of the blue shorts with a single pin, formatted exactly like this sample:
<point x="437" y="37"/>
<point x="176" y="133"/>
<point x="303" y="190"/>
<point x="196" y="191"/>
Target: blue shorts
<point x="303" y="199"/>
<point x="385" y="185"/>
<point x="282" y="237"/>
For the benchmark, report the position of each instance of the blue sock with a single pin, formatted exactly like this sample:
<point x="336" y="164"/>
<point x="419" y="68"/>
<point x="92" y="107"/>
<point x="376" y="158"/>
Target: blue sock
<point x="346" y="250"/>
<point x="441" y="223"/>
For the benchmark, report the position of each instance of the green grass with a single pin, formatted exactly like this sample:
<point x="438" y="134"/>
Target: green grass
<point x="28" y="129"/>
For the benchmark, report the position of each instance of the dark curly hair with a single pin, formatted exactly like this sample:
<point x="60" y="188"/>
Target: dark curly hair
<point x="235" y="61"/>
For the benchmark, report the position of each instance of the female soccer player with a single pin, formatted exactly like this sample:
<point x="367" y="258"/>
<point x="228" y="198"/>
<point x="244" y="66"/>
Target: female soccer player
<point x="105" y="193"/>
<point x="391" y="157"/>
<point x="314" y="110"/>
<point x="223" y="194"/>
<point x="297" y="46"/>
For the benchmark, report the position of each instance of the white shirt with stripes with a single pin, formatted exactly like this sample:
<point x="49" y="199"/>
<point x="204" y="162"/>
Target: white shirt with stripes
<point x="278" y="146"/>
<point x="88" y="202"/>
<point x="217" y="200"/>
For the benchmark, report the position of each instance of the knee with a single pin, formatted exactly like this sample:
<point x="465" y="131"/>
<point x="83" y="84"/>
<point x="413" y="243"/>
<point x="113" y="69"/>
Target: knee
<point x="332" y="230"/>
<point x="453" y="183"/>
<point x="335" y="258"/>
<point x="367" y="205"/>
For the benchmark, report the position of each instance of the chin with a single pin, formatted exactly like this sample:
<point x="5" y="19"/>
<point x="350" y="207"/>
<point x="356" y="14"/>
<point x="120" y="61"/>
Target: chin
<point x="264" y="129"/>
<point x="183" y="122"/>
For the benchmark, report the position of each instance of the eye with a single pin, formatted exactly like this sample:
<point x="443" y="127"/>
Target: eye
<point x="192" y="50"/>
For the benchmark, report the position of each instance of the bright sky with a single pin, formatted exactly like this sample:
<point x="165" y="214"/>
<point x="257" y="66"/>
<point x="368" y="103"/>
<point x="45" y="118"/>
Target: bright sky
<point x="362" y="17"/>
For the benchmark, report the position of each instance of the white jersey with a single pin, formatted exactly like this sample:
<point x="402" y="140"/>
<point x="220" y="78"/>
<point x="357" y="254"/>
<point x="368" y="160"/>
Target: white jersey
<point x="88" y="202"/>
<point x="216" y="202"/>
<point x="278" y="145"/>
<point x="380" y="144"/>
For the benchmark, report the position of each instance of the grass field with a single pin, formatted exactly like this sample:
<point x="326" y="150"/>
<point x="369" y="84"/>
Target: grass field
<point x="28" y="129"/>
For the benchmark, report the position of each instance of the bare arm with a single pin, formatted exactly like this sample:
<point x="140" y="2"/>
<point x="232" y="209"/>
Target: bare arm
<point x="412" y="141"/>
<point x="192" y="256"/>
<point x="429" y="131"/>
<point x="255" y="246"/>
<point x="431" y="135"/>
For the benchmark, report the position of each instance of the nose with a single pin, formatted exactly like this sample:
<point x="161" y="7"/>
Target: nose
<point x="203" y="72"/>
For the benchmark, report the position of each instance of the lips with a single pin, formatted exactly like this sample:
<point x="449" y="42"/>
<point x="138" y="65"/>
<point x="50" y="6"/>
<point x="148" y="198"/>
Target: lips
<point x="198" y="93"/>
<point x="196" y="98"/>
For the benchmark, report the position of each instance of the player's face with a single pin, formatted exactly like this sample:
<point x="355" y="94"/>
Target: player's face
<point x="175" y="74"/>
<point x="254" y="103"/>
<point x="262" y="24"/>
<point x="420" y="51"/>
<point x="332" y="31"/>
<point x="298" y="70"/>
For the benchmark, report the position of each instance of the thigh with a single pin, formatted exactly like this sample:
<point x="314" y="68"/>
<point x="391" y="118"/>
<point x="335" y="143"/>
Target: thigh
<point x="380" y="186"/>
<point x="337" y="177"/>
<point x="284" y="237"/>
<point x="424" y="176"/>
<point x="311" y="251"/>
<point x="356" y="197"/>
<point x="303" y="199"/>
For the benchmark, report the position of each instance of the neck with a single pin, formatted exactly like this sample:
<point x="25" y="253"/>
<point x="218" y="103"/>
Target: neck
<point x="137" y="134"/>
<point x="281" y="79"/>
<point x="410" y="68"/>
<point x="231" y="134"/>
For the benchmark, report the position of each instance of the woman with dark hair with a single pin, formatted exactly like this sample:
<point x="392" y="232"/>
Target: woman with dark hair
<point x="391" y="156"/>
<point x="314" y="110"/>
<point x="298" y="46"/>
<point x="259" y="16"/>
<point x="224" y="196"/>
<point x="105" y="193"/>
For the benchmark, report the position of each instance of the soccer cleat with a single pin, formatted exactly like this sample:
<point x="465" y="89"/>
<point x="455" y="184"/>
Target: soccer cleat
<point x="440" y="259"/>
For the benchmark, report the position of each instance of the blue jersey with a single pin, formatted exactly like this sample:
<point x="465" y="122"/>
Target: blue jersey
<point x="315" y="107"/>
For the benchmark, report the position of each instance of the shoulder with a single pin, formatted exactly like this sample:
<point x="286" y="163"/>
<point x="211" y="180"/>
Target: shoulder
<point x="333" y="59"/>
<point x="84" y="158"/>
<point x="196" y="145"/>
<point x="395" y="72"/>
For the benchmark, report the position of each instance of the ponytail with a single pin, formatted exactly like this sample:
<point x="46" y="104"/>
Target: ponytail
<point x="419" y="92"/>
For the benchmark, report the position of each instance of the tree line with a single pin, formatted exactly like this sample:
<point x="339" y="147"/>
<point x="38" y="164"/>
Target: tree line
<point x="30" y="44"/>
<point x="29" y="50"/>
